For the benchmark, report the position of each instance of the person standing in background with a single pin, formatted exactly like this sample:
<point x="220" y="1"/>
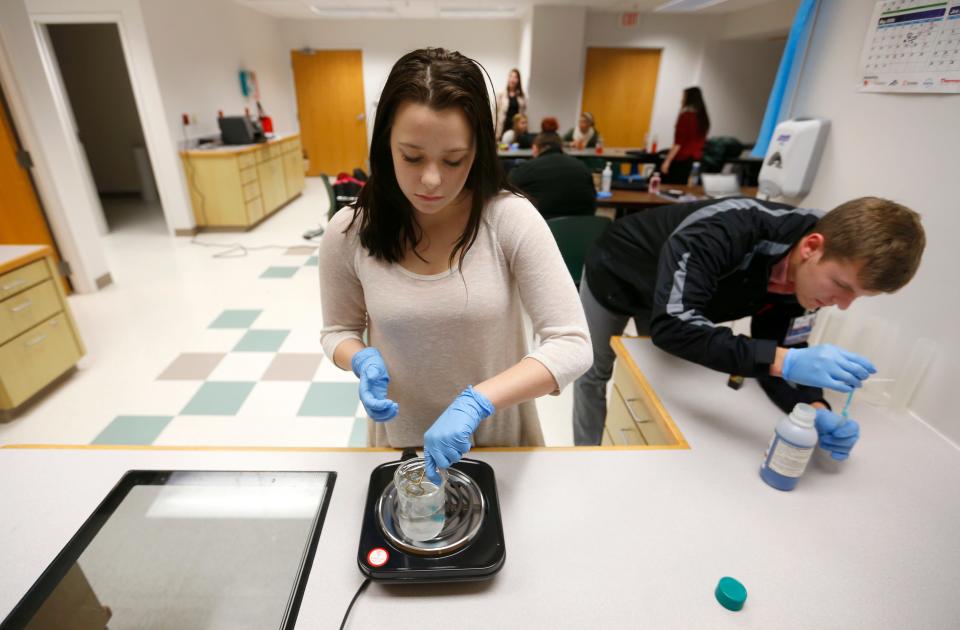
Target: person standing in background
<point x="510" y="102"/>
<point x="689" y="137"/>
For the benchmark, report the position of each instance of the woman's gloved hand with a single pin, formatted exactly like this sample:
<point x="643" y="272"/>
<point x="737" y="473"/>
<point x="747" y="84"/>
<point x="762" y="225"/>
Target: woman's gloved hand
<point x="369" y="367"/>
<point x="448" y="439"/>
<point x="837" y="434"/>
<point x="827" y="366"/>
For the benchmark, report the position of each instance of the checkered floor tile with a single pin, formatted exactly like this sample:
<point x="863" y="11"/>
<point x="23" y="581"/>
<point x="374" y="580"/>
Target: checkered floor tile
<point x="248" y="386"/>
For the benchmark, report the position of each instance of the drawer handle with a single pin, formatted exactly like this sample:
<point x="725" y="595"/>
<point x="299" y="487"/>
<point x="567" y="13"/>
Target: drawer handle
<point x="34" y="341"/>
<point x="633" y="415"/>
<point x="20" y="307"/>
<point x="14" y="284"/>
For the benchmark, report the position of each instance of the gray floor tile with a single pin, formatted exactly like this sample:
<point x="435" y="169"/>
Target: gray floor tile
<point x="191" y="366"/>
<point x="261" y="341"/>
<point x="290" y="366"/>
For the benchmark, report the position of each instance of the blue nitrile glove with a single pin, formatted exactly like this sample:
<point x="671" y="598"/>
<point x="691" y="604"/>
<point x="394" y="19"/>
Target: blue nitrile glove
<point x="837" y="434"/>
<point x="826" y="366"/>
<point x="369" y="367"/>
<point x="448" y="439"/>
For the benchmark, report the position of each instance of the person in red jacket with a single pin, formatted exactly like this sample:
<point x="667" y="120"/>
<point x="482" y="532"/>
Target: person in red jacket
<point x="689" y="136"/>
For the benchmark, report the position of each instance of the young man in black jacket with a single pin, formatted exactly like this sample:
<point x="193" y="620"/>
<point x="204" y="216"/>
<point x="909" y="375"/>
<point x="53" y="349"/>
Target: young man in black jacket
<point x="678" y="269"/>
<point x="557" y="184"/>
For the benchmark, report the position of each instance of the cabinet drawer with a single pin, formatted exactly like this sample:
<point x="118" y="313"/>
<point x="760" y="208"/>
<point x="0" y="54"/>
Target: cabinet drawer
<point x="248" y="175"/>
<point x="637" y="405"/>
<point x="27" y="309"/>
<point x="623" y="430"/>
<point x="36" y="357"/>
<point x="251" y="191"/>
<point x="274" y="150"/>
<point x="263" y="154"/>
<point x="246" y="160"/>
<point x="19" y="279"/>
<point x="254" y="210"/>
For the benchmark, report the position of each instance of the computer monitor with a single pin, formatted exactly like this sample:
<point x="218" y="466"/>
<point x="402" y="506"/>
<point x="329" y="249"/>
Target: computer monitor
<point x="239" y="130"/>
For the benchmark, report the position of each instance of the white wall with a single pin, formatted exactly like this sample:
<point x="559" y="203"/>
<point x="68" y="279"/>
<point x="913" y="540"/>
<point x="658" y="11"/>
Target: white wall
<point x="199" y="49"/>
<point x="903" y="147"/>
<point x="557" y="55"/>
<point x="494" y="43"/>
<point x="736" y="77"/>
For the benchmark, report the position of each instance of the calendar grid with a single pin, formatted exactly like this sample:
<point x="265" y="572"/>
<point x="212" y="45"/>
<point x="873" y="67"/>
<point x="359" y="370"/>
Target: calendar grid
<point x="912" y="46"/>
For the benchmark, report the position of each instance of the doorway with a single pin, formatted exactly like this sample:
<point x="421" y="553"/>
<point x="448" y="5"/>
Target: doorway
<point x="330" y="106"/>
<point x="618" y="89"/>
<point x="96" y="80"/>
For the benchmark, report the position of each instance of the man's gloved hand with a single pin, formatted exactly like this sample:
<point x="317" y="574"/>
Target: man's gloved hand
<point x="837" y="434"/>
<point x="448" y="439"/>
<point x="826" y="366"/>
<point x="369" y="367"/>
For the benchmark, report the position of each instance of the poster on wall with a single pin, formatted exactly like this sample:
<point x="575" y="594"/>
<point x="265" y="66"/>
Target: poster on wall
<point x="912" y="46"/>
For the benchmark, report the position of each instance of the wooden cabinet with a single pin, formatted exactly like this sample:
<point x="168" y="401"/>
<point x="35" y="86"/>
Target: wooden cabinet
<point x="635" y="415"/>
<point x="39" y="341"/>
<point x="234" y="188"/>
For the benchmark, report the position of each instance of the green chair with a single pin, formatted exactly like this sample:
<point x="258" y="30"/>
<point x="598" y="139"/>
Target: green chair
<point x="574" y="236"/>
<point x="330" y="195"/>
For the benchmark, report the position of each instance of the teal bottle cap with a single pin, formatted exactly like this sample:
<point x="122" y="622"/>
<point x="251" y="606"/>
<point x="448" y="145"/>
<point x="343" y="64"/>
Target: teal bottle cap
<point x="730" y="593"/>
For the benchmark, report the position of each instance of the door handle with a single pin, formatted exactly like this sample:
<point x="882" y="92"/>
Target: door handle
<point x="14" y="284"/>
<point x="361" y="116"/>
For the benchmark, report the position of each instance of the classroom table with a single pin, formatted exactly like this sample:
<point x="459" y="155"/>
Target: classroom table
<point x="622" y="537"/>
<point x="628" y="201"/>
<point x="609" y="154"/>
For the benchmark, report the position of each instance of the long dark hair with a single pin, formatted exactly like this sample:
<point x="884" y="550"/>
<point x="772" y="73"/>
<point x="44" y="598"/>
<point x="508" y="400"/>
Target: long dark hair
<point x="693" y="98"/>
<point x="439" y="79"/>
<point x="519" y="81"/>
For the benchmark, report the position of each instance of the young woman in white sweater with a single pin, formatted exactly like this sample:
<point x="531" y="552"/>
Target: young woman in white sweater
<point x="436" y="263"/>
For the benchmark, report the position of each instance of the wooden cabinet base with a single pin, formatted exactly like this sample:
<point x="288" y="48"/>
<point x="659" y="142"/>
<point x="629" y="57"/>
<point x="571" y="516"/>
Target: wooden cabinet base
<point x="6" y="415"/>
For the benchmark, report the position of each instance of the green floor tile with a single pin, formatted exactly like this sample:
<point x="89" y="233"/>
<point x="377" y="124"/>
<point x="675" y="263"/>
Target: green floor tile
<point x="261" y="341"/>
<point x="235" y="319"/>
<point x="218" y="399"/>
<point x="313" y="261"/>
<point x="358" y="435"/>
<point x="133" y="430"/>
<point x="279" y="272"/>
<point x="330" y="399"/>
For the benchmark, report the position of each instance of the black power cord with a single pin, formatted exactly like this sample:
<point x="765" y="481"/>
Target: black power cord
<point x="363" y="586"/>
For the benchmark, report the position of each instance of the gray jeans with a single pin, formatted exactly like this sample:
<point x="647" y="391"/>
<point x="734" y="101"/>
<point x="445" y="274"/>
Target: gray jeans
<point x="590" y="390"/>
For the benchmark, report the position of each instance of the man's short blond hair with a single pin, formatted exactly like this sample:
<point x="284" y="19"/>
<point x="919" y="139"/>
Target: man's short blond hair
<point x="886" y="237"/>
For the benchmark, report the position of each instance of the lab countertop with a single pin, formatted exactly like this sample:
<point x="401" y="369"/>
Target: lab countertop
<point x="222" y="149"/>
<point x="604" y="538"/>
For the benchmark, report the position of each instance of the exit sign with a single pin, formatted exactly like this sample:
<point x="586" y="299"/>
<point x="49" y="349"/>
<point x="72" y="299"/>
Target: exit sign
<point x="629" y="20"/>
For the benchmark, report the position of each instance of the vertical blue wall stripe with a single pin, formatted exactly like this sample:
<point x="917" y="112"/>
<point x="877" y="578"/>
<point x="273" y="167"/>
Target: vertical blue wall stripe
<point x="790" y="63"/>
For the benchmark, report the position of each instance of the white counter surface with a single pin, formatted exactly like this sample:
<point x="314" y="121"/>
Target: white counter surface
<point x="601" y="538"/>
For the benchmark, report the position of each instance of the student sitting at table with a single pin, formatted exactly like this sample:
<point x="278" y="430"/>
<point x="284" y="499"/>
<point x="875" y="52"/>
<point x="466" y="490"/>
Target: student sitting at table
<point x="519" y="134"/>
<point x="584" y="135"/>
<point x="557" y="184"/>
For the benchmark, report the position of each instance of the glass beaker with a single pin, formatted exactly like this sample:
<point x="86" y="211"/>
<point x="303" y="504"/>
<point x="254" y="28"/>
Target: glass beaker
<point x="420" y="502"/>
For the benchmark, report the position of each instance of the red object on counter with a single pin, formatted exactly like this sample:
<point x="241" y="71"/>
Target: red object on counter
<point x="267" y="123"/>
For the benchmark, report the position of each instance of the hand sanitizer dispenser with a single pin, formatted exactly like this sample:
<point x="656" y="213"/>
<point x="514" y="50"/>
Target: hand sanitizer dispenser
<point x="792" y="157"/>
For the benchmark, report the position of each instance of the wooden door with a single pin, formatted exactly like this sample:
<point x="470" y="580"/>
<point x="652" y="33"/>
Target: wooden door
<point x="330" y="106"/>
<point x="22" y="221"/>
<point x="618" y="89"/>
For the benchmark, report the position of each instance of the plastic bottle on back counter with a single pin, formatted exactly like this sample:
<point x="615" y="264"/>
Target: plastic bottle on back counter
<point x="790" y="448"/>
<point x="694" y="178"/>
<point x="653" y="186"/>
<point x="607" y="178"/>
